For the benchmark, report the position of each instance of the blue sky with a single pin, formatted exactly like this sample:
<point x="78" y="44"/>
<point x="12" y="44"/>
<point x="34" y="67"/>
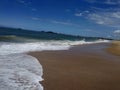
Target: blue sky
<point x="79" y="17"/>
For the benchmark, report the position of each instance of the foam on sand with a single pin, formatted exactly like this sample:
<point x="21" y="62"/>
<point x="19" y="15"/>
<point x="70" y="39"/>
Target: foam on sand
<point x="20" y="72"/>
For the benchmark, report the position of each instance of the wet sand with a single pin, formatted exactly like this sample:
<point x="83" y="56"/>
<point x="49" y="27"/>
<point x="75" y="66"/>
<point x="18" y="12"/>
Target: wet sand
<point x="86" y="67"/>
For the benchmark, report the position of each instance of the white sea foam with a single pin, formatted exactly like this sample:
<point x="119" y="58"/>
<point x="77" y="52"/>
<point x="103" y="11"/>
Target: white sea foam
<point x="10" y="48"/>
<point x="19" y="71"/>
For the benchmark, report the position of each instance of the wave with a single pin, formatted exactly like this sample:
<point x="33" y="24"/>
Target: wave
<point x="10" y="48"/>
<point x="13" y="38"/>
<point x="7" y="37"/>
<point x="23" y="72"/>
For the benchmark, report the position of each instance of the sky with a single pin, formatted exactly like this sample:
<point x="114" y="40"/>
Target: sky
<point x="99" y="18"/>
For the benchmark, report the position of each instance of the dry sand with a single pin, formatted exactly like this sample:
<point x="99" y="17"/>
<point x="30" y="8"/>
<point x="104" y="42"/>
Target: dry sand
<point x="86" y="67"/>
<point x="115" y="48"/>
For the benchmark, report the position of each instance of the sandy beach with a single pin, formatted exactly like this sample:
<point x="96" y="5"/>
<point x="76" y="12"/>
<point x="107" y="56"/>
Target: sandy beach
<point x="85" y="67"/>
<point x="115" y="48"/>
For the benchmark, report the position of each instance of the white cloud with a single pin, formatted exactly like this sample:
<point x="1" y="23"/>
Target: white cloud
<point x="27" y="4"/>
<point x="117" y="31"/>
<point x="21" y="1"/>
<point x="91" y="1"/>
<point x="33" y="9"/>
<point x="109" y="2"/>
<point x="68" y="23"/>
<point x="116" y="15"/>
<point x="78" y="14"/>
<point x="86" y="11"/>
<point x="105" y="16"/>
<point x="117" y="34"/>
<point x="61" y="22"/>
<point x="100" y="19"/>
<point x="111" y="19"/>
<point x="112" y="2"/>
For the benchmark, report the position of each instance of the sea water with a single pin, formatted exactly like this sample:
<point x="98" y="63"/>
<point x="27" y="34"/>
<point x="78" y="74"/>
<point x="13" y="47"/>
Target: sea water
<point x="19" y="71"/>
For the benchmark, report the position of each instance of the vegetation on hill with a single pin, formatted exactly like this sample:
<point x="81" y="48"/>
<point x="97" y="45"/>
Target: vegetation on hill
<point x="5" y="31"/>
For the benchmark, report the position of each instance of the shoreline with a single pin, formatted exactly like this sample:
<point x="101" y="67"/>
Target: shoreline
<point x="84" y="67"/>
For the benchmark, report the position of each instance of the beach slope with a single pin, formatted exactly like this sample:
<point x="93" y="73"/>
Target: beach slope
<point x="85" y="67"/>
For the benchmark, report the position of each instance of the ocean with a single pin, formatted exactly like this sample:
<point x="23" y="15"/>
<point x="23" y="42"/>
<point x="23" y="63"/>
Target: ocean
<point x="19" y="71"/>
